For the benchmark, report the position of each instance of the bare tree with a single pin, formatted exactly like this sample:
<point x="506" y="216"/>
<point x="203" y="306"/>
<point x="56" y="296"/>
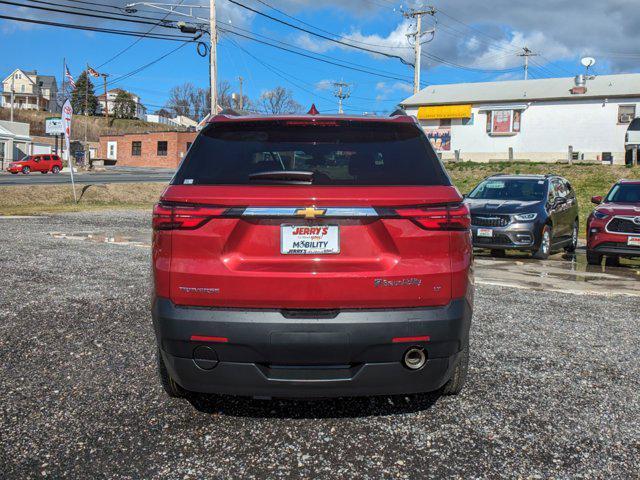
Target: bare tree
<point x="278" y="101"/>
<point x="180" y="99"/>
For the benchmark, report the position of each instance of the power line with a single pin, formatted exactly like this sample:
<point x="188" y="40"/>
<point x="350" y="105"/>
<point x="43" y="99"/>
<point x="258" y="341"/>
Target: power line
<point x="85" y="9"/>
<point x="129" y="33"/>
<point x="373" y="69"/>
<point x="326" y="31"/>
<point x="392" y="77"/>
<point x="49" y="9"/>
<point x="138" y="40"/>
<point x="325" y="37"/>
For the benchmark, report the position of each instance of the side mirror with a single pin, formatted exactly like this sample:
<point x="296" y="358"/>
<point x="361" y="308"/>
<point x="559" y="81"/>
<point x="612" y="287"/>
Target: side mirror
<point x="597" y="200"/>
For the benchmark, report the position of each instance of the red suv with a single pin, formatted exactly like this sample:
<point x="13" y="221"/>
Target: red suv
<point x="36" y="163"/>
<point x="613" y="228"/>
<point x="312" y="256"/>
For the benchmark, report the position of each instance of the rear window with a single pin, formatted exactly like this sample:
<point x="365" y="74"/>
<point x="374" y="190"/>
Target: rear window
<point x="331" y="153"/>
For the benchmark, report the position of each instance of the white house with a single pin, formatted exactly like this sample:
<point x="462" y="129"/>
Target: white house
<point x="141" y="110"/>
<point x="31" y="91"/>
<point x="538" y="119"/>
<point x="177" y="122"/>
<point x="15" y="142"/>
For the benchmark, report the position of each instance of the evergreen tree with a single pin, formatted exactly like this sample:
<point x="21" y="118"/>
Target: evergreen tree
<point x="124" y="106"/>
<point x="78" y="96"/>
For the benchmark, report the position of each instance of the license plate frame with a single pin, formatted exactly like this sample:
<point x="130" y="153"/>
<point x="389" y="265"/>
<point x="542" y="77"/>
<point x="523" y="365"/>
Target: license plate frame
<point x="332" y="234"/>
<point x="485" y="233"/>
<point x="633" y="241"/>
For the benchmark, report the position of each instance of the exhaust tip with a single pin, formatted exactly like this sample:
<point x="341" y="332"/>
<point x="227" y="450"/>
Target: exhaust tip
<point x="414" y="358"/>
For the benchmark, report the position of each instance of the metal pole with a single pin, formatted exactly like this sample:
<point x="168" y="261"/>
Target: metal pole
<point x="86" y="115"/>
<point x="418" y="52"/>
<point x="241" y="101"/>
<point x="106" y="103"/>
<point x="526" y="67"/>
<point x="213" y="56"/>
<point x="13" y="76"/>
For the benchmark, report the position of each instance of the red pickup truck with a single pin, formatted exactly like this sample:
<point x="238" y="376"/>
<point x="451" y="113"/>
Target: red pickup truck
<point x="37" y="163"/>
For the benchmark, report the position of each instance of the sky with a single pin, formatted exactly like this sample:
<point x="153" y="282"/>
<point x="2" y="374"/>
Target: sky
<point x="473" y="42"/>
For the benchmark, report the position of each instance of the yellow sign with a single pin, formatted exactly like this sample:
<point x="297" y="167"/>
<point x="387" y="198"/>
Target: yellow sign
<point x="311" y="212"/>
<point x="444" y="111"/>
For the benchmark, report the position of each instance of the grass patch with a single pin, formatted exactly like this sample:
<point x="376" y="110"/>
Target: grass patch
<point x="40" y="199"/>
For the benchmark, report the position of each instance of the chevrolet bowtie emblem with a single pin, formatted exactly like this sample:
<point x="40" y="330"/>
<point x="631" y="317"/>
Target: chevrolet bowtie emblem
<point x="311" y="212"/>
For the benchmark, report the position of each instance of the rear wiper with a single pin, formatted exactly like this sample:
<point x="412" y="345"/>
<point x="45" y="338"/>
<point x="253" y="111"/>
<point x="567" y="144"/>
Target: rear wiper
<point x="294" y="176"/>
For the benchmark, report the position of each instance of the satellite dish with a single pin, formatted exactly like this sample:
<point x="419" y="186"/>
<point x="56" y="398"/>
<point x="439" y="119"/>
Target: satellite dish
<point x="588" y="62"/>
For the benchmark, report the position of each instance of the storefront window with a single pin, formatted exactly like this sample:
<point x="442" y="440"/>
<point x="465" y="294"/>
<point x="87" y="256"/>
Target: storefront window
<point x="504" y="122"/>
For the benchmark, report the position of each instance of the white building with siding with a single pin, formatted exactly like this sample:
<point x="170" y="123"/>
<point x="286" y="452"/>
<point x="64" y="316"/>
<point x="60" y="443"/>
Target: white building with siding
<point x="538" y="119"/>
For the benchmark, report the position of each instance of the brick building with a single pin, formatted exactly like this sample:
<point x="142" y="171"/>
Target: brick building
<point x="152" y="149"/>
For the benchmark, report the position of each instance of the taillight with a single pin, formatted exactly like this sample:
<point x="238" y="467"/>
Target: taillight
<point x="183" y="217"/>
<point x="448" y="217"/>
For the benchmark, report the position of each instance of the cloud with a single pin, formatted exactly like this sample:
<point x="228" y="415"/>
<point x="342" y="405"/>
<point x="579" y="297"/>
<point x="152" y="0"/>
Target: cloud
<point x="324" y="84"/>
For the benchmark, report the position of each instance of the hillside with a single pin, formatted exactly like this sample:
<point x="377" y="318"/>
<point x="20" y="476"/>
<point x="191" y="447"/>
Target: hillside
<point x="96" y="126"/>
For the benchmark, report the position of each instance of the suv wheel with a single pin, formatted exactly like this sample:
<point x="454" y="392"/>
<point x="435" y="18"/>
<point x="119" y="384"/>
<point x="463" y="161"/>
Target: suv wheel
<point x="169" y="384"/>
<point x="574" y="239"/>
<point x="459" y="376"/>
<point x="594" y="258"/>
<point x="25" y="170"/>
<point x="55" y="169"/>
<point x="545" y="244"/>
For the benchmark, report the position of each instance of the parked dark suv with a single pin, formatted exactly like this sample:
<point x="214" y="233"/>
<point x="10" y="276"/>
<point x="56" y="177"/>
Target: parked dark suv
<point x="311" y="256"/>
<point x="538" y="213"/>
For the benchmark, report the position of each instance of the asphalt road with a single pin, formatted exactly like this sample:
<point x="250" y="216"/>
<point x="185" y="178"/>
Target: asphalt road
<point x="110" y="176"/>
<point x="552" y="393"/>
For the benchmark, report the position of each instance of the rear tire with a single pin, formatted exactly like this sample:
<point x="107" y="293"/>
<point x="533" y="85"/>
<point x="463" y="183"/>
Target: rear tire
<point x="170" y="386"/>
<point x="574" y="239"/>
<point x="545" y="244"/>
<point x="55" y="169"/>
<point x="460" y="371"/>
<point x="499" y="253"/>
<point x="594" y="258"/>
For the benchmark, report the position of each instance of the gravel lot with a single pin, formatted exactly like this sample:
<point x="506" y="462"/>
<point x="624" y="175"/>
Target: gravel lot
<point x="553" y="392"/>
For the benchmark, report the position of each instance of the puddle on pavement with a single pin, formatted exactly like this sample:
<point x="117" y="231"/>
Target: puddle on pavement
<point x="561" y="272"/>
<point x="135" y="240"/>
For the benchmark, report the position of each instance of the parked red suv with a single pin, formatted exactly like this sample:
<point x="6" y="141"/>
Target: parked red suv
<point x="311" y="256"/>
<point x="613" y="228"/>
<point x="36" y="163"/>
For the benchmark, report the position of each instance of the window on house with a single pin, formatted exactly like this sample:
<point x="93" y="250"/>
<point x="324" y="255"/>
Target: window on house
<point x="504" y="122"/>
<point x="136" y="149"/>
<point x="162" y="149"/>
<point x="22" y="88"/>
<point x="626" y="113"/>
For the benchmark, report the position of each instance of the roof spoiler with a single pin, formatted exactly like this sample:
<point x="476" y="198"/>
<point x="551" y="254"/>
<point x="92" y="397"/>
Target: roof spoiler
<point x="398" y="111"/>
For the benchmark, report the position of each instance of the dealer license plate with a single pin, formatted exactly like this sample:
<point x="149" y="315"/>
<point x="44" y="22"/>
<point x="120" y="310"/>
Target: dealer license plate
<point x="633" y="241"/>
<point x="309" y="239"/>
<point x="485" y="232"/>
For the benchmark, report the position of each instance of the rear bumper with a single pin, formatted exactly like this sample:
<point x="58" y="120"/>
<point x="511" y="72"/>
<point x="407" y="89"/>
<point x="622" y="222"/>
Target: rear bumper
<point x="272" y="353"/>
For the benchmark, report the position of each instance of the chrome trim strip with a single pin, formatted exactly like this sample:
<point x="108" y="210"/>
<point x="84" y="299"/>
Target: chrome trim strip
<point x="291" y="212"/>
<point x="624" y="217"/>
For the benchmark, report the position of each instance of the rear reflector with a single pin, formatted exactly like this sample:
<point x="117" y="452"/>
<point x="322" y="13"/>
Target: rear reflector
<point x="448" y="217"/>
<point x="184" y="217"/>
<point x="424" y="338"/>
<point x="204" y="338"/>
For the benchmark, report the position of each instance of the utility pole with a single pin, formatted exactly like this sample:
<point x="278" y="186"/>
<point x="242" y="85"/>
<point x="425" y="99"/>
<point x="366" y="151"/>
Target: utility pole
<point x="342" y="91"/>
<point x="241" y="100"/>
<point x="526" y="53"/>
<point x="417" y="36"/>
<point x="13" y="81"/>
<point x="213" y="36"/>
<point x="106" y="103"/>
<point x="86" y="115"/>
